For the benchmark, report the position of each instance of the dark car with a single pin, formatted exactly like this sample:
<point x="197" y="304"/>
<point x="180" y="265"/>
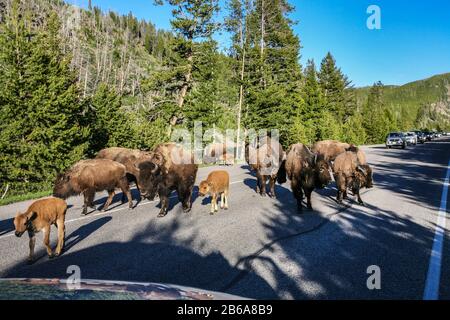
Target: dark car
<point x="396" y="139"/>
<point x="421" y="138"/>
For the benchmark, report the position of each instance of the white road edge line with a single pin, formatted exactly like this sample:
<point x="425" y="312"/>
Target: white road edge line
<point x="431" y="291"/>
<point x="108" y="212"/>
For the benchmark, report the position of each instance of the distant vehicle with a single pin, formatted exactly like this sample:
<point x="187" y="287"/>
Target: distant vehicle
<point x="396" y="139"/>
<point x="411" y="138"/>
<point x="428" y="136"/>
<point x="421" y="138"/>
<point x="56" y="289"/>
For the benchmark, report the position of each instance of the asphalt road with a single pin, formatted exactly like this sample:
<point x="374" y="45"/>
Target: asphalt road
<point x="261" y="247"/>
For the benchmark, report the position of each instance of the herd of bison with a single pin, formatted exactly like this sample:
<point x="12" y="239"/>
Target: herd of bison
<point x="170" y="167"/>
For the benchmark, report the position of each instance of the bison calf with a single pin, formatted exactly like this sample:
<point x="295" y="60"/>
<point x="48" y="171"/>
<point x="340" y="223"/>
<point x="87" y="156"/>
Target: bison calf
<point x="90" y="176"/>
<point x="40" y="216"/>
<point x="217" y="183"/>
<point x="350" y="173"/>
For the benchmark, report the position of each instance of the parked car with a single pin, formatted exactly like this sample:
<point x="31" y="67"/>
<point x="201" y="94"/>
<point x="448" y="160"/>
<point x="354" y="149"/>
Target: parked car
<point x="396" y="139"/>
<point x="411" y="138"/>
<point x="428" y="136"/>
<point x="421" y="138"/>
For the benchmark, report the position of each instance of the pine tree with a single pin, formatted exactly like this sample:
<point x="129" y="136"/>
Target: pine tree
<point x="339" y="99"/>
<point x="193" y="21"/>
<point x="378" y="119"/>
<point x="42" y="124"/>
<point x="110" y="128"/>
<point x="314" y="102"/>
<point x="274" y="72"/>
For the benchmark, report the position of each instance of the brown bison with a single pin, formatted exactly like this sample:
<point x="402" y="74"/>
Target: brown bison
<point x="265" y="159"/>
<point x="219" y="153"/>
<point x="40" y="216"/>
<point x="170" y="168"/>
<point x="217" y="183"/>
<point x="330" y="149"/>
<point x="349" y="173"/>
<point x="91" y="176"/>
<point x="307" y="171"/>
<point x="127" y="157"/>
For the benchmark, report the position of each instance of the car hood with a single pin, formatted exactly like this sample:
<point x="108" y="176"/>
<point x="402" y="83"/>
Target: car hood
<point x="58" y="289"/>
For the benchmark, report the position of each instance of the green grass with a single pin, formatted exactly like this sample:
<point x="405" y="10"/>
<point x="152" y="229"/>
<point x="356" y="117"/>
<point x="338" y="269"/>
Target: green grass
<point x="23" y="197"/>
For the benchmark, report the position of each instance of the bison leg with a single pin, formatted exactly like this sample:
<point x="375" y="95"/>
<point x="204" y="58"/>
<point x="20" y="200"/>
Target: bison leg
<point x="272" y="186"/>
<point x="341" y="188"/>
<point x="46" y="231"/>
<point x="213" y="203"/>
<point x="109" y="200"/>
<point x="225" y="195"/>
<point x="88" y="200"/>
<point x="356" y="192"/>
<point x="32" y="245"/>
<point x="262" y="187"/>
<point x="125" y="187"/>
<point x="298" y="193"/>
<point x="308" y="193"/>
<point x="61" y="235"/>
<point x="258" y="182"/>
<point x="222" y="200"/>
<point x="185" y="195"/>
<point x="164" y="201"/>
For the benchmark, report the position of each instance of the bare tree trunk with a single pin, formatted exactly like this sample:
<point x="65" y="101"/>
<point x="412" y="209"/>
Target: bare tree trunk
<point x="241" y="93"/>
<point x="185" y="86"/>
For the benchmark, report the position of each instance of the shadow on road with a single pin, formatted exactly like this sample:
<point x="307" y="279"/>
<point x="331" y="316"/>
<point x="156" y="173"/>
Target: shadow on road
<point x="153" y="255"/>
<point x="6" y="226"/>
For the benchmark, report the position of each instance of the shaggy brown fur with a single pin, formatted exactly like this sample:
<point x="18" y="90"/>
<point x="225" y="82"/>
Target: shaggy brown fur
<point x="40" y="216"/>
<point x="220" y="153"/>
<point x="266" y="161"/>
<point x="128" y="157"/>
<point x="217" y="183"/>
<point x="349" y="173"/>
<point x="330" y="149"/>
<point x="125" y="156"/>
<point x="171" y="168"/>
<point x="306" y="171"/>
<point x="91" y="176"/>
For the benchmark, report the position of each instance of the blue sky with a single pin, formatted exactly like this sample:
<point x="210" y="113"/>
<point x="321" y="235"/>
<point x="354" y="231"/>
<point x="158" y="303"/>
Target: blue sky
<point x="413" y="43"/>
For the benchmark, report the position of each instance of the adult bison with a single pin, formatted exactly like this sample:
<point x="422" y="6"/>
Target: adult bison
<point x="91" y="176"/>
<point x="222" y="153"/>
<point x="350" y="173"/>
<point x="265" y="159"/>
<point x="127" y="157"/>
<point x="330" y="149"/>
<point x="169" y="168"/>
<point x="307" y="171"/>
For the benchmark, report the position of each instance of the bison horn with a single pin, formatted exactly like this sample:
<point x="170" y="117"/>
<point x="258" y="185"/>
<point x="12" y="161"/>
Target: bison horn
<point x="154" y="169"/>
<point x="315" y="158"/>
<point x="362" y="169"/>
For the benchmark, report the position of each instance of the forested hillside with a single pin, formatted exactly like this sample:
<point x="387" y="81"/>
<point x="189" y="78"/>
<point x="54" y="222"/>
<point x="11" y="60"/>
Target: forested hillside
<point x="422" y="104"/>
<point x="74" y="81"/>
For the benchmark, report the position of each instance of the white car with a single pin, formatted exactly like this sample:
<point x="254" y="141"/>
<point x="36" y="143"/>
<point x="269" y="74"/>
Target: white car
<point x="411" y="138"/>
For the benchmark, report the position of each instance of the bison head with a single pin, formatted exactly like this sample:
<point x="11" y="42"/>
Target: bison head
<point x="63" y="186"/>
<point x="366" y="175"/>
<point x="203" y="188"/>
<point x="22" y="222"/>
<point x="322" y="172"/>
<point x="149" y="175"/>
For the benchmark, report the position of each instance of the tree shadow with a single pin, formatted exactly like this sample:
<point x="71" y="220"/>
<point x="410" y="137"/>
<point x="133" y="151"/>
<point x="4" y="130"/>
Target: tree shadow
<point x="6" y="226"/>
<point x="154" y="254"/>
<point x="304" y="263"/>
